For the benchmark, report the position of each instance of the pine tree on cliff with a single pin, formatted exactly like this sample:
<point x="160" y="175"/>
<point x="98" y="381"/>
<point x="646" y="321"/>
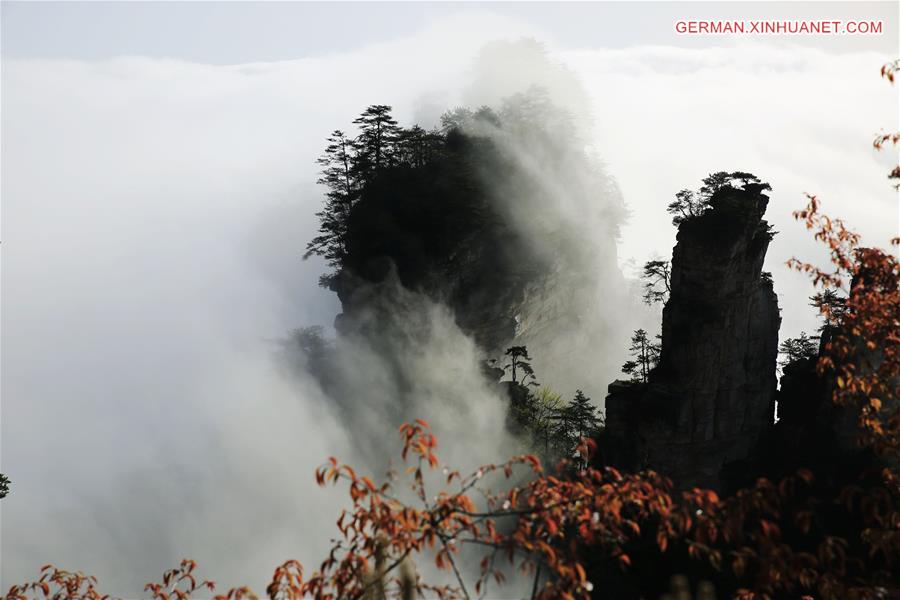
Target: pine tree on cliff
<point x="645" y="354"/>
<point x="519" y="366"/>
<point x="685" y="206"/>
<point x="348" y="164"/>
<point x="657" y="284"/>
<point x="831" y="306"/>
<point x="688" y="204"/>
<point x="793" y="349"/>
<point x="339" y="163"/>
<point x="714" y="182"/>
<point x="377" y="140"/>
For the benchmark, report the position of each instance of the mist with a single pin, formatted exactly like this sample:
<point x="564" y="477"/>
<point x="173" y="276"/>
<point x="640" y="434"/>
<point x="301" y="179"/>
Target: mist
<point x="156" y="213"/>
<point x="155" y="216"/>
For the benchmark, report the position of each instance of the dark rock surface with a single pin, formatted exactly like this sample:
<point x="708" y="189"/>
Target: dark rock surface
<point x="712" y="397"/>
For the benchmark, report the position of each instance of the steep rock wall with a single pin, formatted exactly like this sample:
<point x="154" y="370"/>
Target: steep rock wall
<point x="713" y="394"/>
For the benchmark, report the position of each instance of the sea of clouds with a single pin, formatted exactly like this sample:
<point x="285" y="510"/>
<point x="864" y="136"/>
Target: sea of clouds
<point x="155" y="212"/>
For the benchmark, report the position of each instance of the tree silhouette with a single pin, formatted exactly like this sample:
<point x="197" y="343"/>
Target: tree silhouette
<point x="657" y="284"/>
<point x="685" y="206"/>
<point x="339" y="165"/>
<point x="377" y="139"/>
<point x="583" y="414"/>
<point x="576" y="420"/>
<point x="832" y="306"/>
<point x="645" y="354"/>
<point x="747" y="179"/>
<point x="797" y="348"/>
<point x="688" y="204"/>
<point x="519" y="366"/>
<point x="714" y="182"/>
<point x="348" y="165"/>
<point x="416" y="147"/>
<point x="4" y="485"/>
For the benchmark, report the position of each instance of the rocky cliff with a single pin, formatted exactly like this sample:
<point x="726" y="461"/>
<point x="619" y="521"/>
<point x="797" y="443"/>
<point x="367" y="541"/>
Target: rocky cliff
<point x="512" y="229"/>
<point x="712" y="396"/>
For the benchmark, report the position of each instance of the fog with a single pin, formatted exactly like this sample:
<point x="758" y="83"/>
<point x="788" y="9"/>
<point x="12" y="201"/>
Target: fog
<point x="155" y="213"/>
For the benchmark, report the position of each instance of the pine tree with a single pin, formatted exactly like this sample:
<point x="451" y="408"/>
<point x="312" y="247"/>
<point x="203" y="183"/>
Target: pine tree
<point x="573" y="422"/>
<point x="714" y="182"/>
<point x="348" y="164"/>
<point x="377" y="141"/>
<point x="645" y="354"/>
<point x="582" y="414"/>
<point x="793" y="349"/>
<point x="519" y="366"/>
<point x="416" y="147"/>
<point x="577" y="420"/>
<point x="685" y="206"/>
<point x="688" y="204"/>
<point x="338" y="166"/>
<point x="831" y="306"/>
<point x="657" y="284"/>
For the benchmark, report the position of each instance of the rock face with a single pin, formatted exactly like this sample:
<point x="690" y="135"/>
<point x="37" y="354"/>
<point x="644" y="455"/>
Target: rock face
<point x="712" y="396"/>
<point x="811" y="430"/>
<point x="514" y="232"/>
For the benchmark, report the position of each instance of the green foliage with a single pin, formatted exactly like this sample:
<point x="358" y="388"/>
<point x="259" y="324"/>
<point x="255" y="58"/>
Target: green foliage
<point x="553" y="426"/>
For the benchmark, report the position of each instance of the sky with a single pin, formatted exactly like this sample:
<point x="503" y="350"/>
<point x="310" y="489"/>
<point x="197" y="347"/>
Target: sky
<point x="158" y="188"/>
<point x="239" y="32"/>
